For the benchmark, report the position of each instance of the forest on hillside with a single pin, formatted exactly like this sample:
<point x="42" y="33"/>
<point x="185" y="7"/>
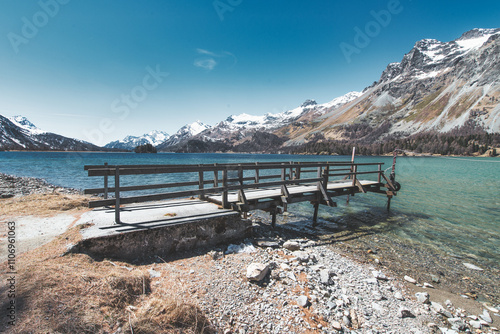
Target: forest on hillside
<point x="469" y="139"/>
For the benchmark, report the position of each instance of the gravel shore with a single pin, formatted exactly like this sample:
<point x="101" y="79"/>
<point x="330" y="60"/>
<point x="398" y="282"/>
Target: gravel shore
<point x="11" y="186"/>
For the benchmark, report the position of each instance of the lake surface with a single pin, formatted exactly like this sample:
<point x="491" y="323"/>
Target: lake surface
<point x="449" y="204"/>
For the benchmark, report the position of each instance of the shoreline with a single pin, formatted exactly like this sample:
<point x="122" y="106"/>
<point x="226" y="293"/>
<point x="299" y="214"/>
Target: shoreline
<point x="406" y="154"/>
<point x="366" y="245"/>
<point x="366" y="249"/>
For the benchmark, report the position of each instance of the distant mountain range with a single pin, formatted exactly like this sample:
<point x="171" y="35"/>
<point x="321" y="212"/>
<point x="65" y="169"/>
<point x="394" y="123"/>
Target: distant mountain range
<point x="18" y="133"/>
<point x="154" y="138"/>
<point x="438" y="89"/>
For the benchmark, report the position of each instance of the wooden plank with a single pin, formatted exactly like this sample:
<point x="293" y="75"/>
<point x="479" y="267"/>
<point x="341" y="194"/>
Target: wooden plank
<point x="145" y="187"/>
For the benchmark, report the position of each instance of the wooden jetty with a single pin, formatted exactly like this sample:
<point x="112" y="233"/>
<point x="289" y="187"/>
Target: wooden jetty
<point x="243" y="187"/>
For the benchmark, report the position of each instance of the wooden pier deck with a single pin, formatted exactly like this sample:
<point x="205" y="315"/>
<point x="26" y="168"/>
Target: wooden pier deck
<point x="244" y="187"/>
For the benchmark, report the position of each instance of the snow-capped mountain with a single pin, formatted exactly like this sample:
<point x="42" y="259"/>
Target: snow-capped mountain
<point x="154" y="138"/>
<point x="184" y="133"/>
<point x="240" y="127"/>
<point x="235" y="129"/>
<point x="437" y="86"/>
<point x="25" y="124"/>
<point x="18" y="133"/>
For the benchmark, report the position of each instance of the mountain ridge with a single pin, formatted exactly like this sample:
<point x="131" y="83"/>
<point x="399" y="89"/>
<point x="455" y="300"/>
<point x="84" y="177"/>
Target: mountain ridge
<point x="155" y="138"/>
<point x="18" y="133"/>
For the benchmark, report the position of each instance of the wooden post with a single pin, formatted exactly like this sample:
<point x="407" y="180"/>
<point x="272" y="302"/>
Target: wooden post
<point x="201" y="184"/>
<point x="379" y="179"/>
<point x="117" y="195"/>
<point x="216" y="177"/>
<point x="355" y="170"/>
<point x="225" y="204"/>
<point x="257" y="177"/>
<point x="273" y="212"/>
<point x="106" y="182"/>
<point x="240" y="175"/>
<point x="315" y="215"/>
<point x="326" y="171"/>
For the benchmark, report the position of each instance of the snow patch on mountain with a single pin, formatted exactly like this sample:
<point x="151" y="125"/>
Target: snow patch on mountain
<point x="475" y="38"/>
<point x="26" y="125"/>
<point x="184" y="133"/>
<point x="154" y="138"/>
<point x="341" y="100"/>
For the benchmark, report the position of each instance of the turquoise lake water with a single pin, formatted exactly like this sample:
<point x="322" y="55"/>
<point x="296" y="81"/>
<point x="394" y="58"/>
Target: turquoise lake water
<point x="449" y="204"/>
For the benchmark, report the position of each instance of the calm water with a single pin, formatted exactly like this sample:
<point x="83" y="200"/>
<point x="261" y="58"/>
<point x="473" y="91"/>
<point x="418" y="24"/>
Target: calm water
<point x="449" y="204"/>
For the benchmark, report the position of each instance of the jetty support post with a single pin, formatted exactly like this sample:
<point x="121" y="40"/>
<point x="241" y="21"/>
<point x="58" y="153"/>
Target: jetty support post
<point x="273" y="211"/>
<point x="225" y="204"/>
<point x="216" y="176"/>
<point x="106" y="182"/>
<point x="117" y="195"/>
<point x="315" y="214"/>
<point x="201" y="183"/>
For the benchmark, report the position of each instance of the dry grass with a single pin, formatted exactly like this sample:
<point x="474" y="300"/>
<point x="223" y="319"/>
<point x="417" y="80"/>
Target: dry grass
<point x="75" y="294"/>
<point x="44" y="205"/>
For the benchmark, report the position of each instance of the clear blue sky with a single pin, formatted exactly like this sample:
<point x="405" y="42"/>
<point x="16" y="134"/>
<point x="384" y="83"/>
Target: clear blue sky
<point x="97" y="69"/>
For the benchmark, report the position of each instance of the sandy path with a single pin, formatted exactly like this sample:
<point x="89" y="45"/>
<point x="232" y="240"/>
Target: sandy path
<point x="32" y="232"/>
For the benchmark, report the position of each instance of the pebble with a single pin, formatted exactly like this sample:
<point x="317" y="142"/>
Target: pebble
<point x="486" y="317"/>
<point x="409" y="279"/>
<point x="257" y="271"/>
<point x="301" y="256"/>
<point x="404" y="312"/>
<point x="472" y="266"/>
<point x="336" y="325"/>
<point x="422" y="297"/>
<point x="491" y="308"/>
<point x="325" y="277"/>
<point x="399" y="296"/>
<point x="379" y="275"/>
<point x="291" y="245"/>
<point x="303" y="301"/>
<point x="475" y="324"/>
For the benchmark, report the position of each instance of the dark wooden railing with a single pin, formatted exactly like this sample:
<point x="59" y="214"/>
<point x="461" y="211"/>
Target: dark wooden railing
<point x="209" y="179"/>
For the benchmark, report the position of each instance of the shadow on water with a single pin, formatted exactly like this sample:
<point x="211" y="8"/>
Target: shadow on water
<point x="346" y="226"/>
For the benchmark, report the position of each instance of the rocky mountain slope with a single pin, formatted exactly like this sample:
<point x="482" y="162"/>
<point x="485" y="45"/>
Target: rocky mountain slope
<point x="183" y="134"/>
<point x="154" y="138"/>
<point x="18" y="133"/>
<point x="239" y="130"/>
<point x="436" y="87"/>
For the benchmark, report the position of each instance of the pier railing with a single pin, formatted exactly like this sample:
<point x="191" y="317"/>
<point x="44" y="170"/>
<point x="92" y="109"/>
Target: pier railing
<point x="217" y="182"/>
